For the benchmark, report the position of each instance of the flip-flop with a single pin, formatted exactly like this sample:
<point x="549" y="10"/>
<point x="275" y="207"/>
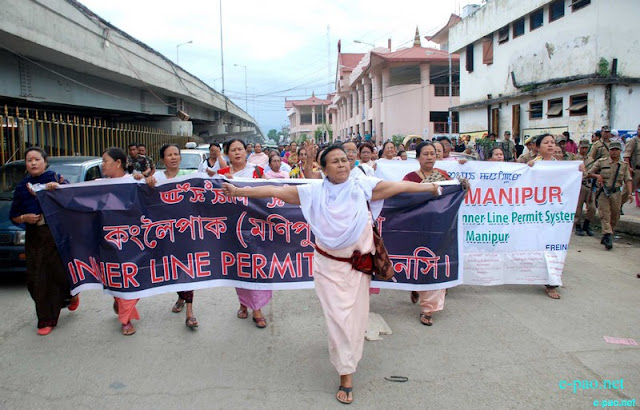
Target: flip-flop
<point x="242" y="314"/>
<point x="178" y="306"/>
<point x="191" y="322"/>
<point x="428" y="321"/>
<point x="261" y="322"/>
<point x="553" y="292"/>
<point x="347" y="390"/>
<point x="127" y="329"/>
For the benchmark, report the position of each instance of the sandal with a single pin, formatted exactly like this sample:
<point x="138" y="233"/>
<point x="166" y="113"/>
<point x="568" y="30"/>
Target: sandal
<point x="552" y="293"/>
<point x="426" y="319"/>
<point x="115" y="307"/>
<point x="261" y="322"/>
<point x="74" y="303"/>
<point x="242" y="314"/>
<point x="414" y="296"/>
<point x="191" y="322"/>
<point x="178" y="306"/>
<point x="348" y="391"/>
<point x="128" y="329"/>
<point x="43" y="331"/>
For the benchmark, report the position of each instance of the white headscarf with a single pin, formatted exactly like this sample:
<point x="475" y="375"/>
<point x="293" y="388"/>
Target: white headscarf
<point x="337" y="213"/>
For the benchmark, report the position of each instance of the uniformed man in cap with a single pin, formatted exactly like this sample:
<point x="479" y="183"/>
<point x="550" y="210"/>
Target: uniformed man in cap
<point x="532" y="152"/>
<point x="632" y="158"/>
<point x="600" y="148"/>
<point x="561" y="141"/>
<point x="586" y="193"/>
<point x="611" y="174"/>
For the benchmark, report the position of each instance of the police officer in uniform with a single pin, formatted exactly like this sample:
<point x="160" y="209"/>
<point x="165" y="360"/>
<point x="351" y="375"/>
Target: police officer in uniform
<point x="586" y="193"/>
<point x="600" y="148"/>
<point x="561" y="141"/>
<point x="611" y="174"/>
<point x="531" y="153"/>
<point x="632" y="158"/>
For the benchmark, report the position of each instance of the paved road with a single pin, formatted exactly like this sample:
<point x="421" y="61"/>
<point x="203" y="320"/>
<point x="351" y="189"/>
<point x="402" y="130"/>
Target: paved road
<point x="493" y="347"/>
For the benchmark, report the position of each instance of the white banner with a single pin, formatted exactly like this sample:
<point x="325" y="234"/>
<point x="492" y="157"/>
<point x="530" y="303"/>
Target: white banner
<point x="516" y="220"/>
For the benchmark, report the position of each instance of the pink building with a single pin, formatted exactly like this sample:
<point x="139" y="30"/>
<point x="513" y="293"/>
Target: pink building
<point x="307" y="116"/>
<point x="389" y="93"/>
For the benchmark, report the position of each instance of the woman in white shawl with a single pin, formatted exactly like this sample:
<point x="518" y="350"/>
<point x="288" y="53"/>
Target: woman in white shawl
<point x="338" y="216"/>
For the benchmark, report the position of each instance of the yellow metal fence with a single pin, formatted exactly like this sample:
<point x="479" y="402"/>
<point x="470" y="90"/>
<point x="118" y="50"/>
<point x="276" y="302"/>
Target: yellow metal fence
<point x="61" y="134"/>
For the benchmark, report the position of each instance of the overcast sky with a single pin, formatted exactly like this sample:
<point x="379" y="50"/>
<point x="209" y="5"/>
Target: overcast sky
<point x="283" y="43"/>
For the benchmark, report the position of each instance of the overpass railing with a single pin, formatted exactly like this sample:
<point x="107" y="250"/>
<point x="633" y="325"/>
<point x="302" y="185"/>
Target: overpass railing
<point x="64" y="134"/>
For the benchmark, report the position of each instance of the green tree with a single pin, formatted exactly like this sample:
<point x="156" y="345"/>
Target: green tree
<point x="397" y="139"/>
<point x="273" y="135"/>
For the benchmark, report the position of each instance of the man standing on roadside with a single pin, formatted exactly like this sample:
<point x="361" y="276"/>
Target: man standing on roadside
<point x="632" y="158"/>
<point x="611" y="174"/>
<point x="508" y="148"/>
<point x="586" y="193"/>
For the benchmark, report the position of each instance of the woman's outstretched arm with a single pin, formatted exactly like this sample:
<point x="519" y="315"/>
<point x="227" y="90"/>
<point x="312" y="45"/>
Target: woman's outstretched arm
<point x="386" y="189"/>
<point x="288" y="194"/>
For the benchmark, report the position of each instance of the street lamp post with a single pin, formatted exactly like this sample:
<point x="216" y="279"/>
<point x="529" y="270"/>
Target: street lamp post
<point x="178" y="50"/>
<point x="246" y="90"/>
<point x="364" y="42"/>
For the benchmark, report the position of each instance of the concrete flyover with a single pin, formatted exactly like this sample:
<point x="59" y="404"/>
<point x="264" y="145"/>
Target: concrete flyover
<point x="57" y="53"/>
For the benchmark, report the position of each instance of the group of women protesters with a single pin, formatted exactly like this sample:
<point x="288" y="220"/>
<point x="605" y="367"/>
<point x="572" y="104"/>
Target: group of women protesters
<point x="339" y="211"/>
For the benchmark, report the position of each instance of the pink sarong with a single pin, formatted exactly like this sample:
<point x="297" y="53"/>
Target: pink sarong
<point x="344" y="296"/>
<point x="127" y="310"/>
<point x="432" y="300"/>
<point x="254" y="299"/>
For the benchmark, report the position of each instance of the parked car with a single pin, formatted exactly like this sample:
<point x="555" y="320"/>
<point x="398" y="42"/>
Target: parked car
<point x="73" y="169"/>
<point x="191" y="160"/>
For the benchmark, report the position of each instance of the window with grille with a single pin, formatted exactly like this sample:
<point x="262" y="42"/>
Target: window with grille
<point x="535" y="110"/>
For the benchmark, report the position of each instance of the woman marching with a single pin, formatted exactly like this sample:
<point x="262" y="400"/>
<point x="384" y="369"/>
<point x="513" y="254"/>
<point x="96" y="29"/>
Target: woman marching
<point x="47" y="279"/>
<point x="114" y="162"/>
<point x="338" y="215"/>
<point x="239" y="168"/>
<point x="430" y="300"/>
<point x="170" y="154"/>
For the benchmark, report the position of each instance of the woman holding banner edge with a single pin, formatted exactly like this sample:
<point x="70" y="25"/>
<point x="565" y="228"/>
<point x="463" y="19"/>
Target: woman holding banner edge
<point x="430" y="300"/>
<point x="546" y="144"/>
<point x="170" y="155"/>
<point x="236" y="150"/>
<point x="46" y="275"/>
<point x="338" y="215"/>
